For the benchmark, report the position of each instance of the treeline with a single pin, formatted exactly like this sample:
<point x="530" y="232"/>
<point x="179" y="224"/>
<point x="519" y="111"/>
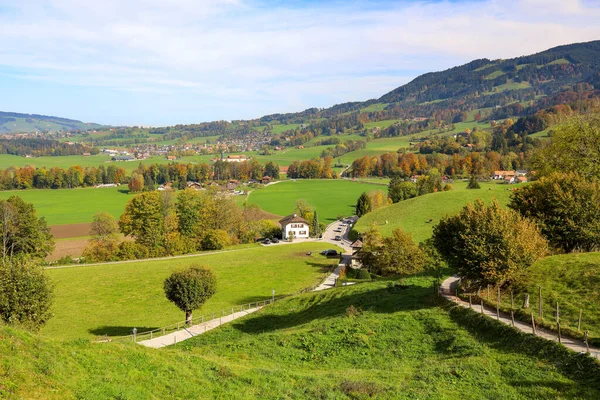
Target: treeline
<point x="317" y="168"/>
<point x="409" y="164"/>
<point x="38" y="147"/>
<point x="30" y="177"/>
<point x="343" y="148"/>
<point x="168" y="224"/>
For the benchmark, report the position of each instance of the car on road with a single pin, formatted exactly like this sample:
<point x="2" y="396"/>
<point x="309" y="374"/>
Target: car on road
<point x="267" y="241"/>
<point x="274" y="240"/>
<point x="343" y="224"/>
<point x="337" y="230"/>
<point x="338" y="238"/>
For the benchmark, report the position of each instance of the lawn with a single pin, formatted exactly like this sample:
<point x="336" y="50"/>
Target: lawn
<point x="71" y="206"/>
<point x="362" y="341"/>
<point x="114" y="298"/>
<point x="330" y="197"/>
<point x="419" y="215"/>
<point x="374" y="107"/>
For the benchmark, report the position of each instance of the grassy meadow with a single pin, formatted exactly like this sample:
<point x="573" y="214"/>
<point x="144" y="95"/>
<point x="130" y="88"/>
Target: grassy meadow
<point x="413" y="215"/>
<point x="330" y="197"/>
<point x="358" y="342"/>
<point x="114" y="298"/>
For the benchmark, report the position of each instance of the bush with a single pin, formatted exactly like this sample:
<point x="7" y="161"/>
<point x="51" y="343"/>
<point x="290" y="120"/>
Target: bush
<point x="473" y="184"/>
<point x="132" y="251"/>
<point x="216" y="239"/>
<point x="363" y="274"/>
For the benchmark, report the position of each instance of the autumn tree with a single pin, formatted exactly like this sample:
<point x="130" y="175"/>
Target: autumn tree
<point x="189" y="289"/>
<point x="400" y="189"/>
<point x="399" y="254"/>
<point x="272" y="170"/>
<point x="136" y="183"/>
<point x="143" y="220"/>
<point x="488" y="244"/>
<point x="104" y="243"/>
<point x="566" y="207"/>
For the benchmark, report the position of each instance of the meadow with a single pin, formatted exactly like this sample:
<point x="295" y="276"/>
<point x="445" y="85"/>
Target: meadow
<point x="331" y="198"/>
<point x="419" y="215"/>
<point x="114" y="298"/>
<point x="363" y="341"/>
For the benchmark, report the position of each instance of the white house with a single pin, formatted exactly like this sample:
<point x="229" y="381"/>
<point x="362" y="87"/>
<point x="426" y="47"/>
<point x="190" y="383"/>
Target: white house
<point x="294" y="226"/>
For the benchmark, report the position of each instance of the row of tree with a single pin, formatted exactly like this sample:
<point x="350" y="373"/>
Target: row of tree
<point x="317" y="168"/>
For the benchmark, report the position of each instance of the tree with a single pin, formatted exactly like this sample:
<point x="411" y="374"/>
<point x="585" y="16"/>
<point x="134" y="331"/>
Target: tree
<point x="473" y="184"/>
<point x="566" y="207"/>
<point x="143" y="219"/>
<point x="363" y="205"/>
<point x="378" y="199"/>
<point x="23" y="234"/>
<point x="372" y="241"/>
<point x="272" y="170"/>
<point x="25" y="294"/>
<point x="104" y="244"/>
<point x="190" y="289"/>
<point x="216" y="239"/>
<point x="315" y="227"/>
<point x="574" y="147"/>
<point x="401" y="190"/>
<point x="136" y="184"/>
<point x="488" y="244"/>
<point x="398" y="255"/>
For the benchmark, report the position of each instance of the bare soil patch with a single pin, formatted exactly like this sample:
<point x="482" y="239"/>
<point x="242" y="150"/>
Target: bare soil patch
<point x="72" y="247"/>
<point x="71" y="230"/>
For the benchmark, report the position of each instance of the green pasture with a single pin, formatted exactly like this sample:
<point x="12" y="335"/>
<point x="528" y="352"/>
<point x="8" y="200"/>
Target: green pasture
<point x="280" y="128"/>
<point x="374" y="107"/>
<point x="382" y="124"/>
<point x="495" y="74"/>
<point x="330" y="197"/>
<point x="72" y="206"/>
<point x="114" y="298"/>
<point x="419" y="215"/>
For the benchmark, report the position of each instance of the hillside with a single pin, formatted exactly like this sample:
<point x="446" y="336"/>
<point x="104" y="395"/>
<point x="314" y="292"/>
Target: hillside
<point x="363" y="341"/>
<point x="27" y="123"/>
<point x="419" y="215"/>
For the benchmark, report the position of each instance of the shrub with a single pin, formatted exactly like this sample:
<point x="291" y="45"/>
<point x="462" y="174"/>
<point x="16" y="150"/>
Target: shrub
<point x="216" y="239"/>
<point x="363" y="274"/>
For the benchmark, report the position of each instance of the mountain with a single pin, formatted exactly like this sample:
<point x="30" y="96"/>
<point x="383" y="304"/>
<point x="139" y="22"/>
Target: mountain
<point x="20" y="123"/>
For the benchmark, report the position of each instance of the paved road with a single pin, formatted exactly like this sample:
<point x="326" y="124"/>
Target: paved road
<point x="447" y="288"/>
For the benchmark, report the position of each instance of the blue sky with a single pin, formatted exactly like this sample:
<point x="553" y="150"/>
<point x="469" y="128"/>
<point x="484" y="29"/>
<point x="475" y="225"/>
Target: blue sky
<point x="158" y="62"/>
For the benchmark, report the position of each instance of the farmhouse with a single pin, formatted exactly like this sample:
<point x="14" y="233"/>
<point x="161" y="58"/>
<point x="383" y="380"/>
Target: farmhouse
<point x="239" y="158"/>
<point x="501" y="175"/>
<point x="294" y="226"/>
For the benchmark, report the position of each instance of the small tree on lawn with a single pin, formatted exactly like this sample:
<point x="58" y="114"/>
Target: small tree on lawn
<point x="363" y="205"/>
<point x="190" y="289"/>
<point x="473" y="184"/>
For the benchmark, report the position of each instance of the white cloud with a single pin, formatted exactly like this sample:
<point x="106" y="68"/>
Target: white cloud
<point x="277" y="55"/>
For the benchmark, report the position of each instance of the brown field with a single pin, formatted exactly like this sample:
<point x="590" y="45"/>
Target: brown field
<point x="71" y="230"/>
<point x="68" y="247"/>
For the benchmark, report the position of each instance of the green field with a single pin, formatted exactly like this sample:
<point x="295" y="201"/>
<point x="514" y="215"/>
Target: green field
<point x="330" y="197"/>
<point x="374" y="107"/>
<point x="280" y="128"/>
<point x="71" y="206"/>
<point x="359" y="342"/>
<point x="114" y="298"/>
<point x="572" y="280"/>
<point x="495" y="74"/>
<point x="413" y="215"/>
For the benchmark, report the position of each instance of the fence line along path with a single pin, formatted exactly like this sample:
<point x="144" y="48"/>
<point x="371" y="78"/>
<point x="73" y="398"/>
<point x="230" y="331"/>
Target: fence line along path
<point x="447" y="290"/>
<point x="186" y="333"/>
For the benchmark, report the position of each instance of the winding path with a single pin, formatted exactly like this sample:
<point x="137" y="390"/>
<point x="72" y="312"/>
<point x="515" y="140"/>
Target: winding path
<point x="448" y="287"/>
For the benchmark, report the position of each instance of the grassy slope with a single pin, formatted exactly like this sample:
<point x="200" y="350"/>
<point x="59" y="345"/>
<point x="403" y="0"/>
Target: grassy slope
<point x="413" y="215"/>
<point x="69" y="206"/>
<point x="114" y="298"/>
<point x="399" y="345"/>
<point x="330" y="197"/>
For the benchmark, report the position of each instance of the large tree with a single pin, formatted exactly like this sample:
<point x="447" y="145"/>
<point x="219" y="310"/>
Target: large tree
<point x="143" y="219"/>
<point x="400" y="189"/>
<point x="190" y="289"/>
<point x="22" y="232"/>
<point x="566" y="207"/>
<point x="104" y="243"/>
<point x="574" y="147"/>
<point x="488" y="244"/>
<point x="363" y="205"/>
<point x="25" y="293"/>
<point x="396" y="254"/>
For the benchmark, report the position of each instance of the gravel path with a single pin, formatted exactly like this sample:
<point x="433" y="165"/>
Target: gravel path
<point x="447" y="288"/>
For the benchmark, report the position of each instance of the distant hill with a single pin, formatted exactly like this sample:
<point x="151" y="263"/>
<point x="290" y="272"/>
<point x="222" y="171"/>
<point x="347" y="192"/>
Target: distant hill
<point x="21" y="123"/>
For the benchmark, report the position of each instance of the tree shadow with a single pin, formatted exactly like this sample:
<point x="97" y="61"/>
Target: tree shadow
<point x="123" y="190"/>
<point x="384" y="300"/>
<point x="119" y="330"/>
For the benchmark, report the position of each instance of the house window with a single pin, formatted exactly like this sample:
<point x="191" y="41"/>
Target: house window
<point x="302" y="233"/>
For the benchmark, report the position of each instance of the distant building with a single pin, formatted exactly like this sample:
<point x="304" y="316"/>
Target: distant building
<point x="356" y="247"/>
<point x="239" y="158"/>
<point x="295" y="227"/>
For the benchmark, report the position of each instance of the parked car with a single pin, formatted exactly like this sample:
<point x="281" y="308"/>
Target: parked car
<point x="338" y="238"/>
<point x="337" y="230"/>
<point x="267" y="241"/>
<point x="274" y="240"/>
<point x="331" y="253"/>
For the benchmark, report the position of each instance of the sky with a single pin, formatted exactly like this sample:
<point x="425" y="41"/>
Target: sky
<point x="164" y="62"/>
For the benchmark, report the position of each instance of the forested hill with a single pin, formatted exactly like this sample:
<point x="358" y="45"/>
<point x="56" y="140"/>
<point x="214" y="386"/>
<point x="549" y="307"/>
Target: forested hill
<point x="20" y="123"/>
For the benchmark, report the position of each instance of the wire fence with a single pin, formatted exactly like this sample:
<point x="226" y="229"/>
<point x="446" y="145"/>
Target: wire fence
<point x="136" y="336"/>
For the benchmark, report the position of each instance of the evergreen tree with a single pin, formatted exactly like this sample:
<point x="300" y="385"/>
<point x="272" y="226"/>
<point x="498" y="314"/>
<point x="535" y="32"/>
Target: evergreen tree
<point x="363" y="205"/>
<point x="473" y="184"/>
<point x="315" y="227"/>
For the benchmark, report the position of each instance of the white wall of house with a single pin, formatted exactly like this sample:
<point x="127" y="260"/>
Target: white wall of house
<point x="300" y="231"/>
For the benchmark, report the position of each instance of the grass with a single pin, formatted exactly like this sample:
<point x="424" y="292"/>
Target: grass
<point x="114" y="298"/>
<point x="362" y="341"/>
<point x="382" y="124"/>
<point x="280" y="128"/>
<point x="413" y="215"/>
<point x="510" y="85"/>
<point x="374" y="107"/>
<point x="495" y="74"/>
<point x="572" y="280"/>
<point x="70" y="206"/>
<point x="330" y="197"/>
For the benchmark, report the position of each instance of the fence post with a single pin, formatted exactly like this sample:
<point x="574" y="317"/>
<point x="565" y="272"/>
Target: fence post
<point x="470" y="301"/>
<point x="557" y="313"/>
<point x="587" y="345"/>
<point x="579" y="322"/>
<point x="533" y="324"/>
<point x="163" y="331"/>
<point x="498" y="305"/>
<point x="512" y="302"/>
<point x="482" y="306"/>
<point x="540" y="305"/>
<point x="512" y="317"/>
<point x="150" y="335"/>
<point x="558" y="328"/>
<point x="488" y="292"/>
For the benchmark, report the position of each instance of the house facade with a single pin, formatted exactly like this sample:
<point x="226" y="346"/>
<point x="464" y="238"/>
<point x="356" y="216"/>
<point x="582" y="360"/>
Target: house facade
<point x="295" y="227"/>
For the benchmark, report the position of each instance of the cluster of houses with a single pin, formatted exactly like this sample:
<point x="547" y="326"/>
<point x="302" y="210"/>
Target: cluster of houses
<point x="511" y="177"/>
<point x="230" y="187"/>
